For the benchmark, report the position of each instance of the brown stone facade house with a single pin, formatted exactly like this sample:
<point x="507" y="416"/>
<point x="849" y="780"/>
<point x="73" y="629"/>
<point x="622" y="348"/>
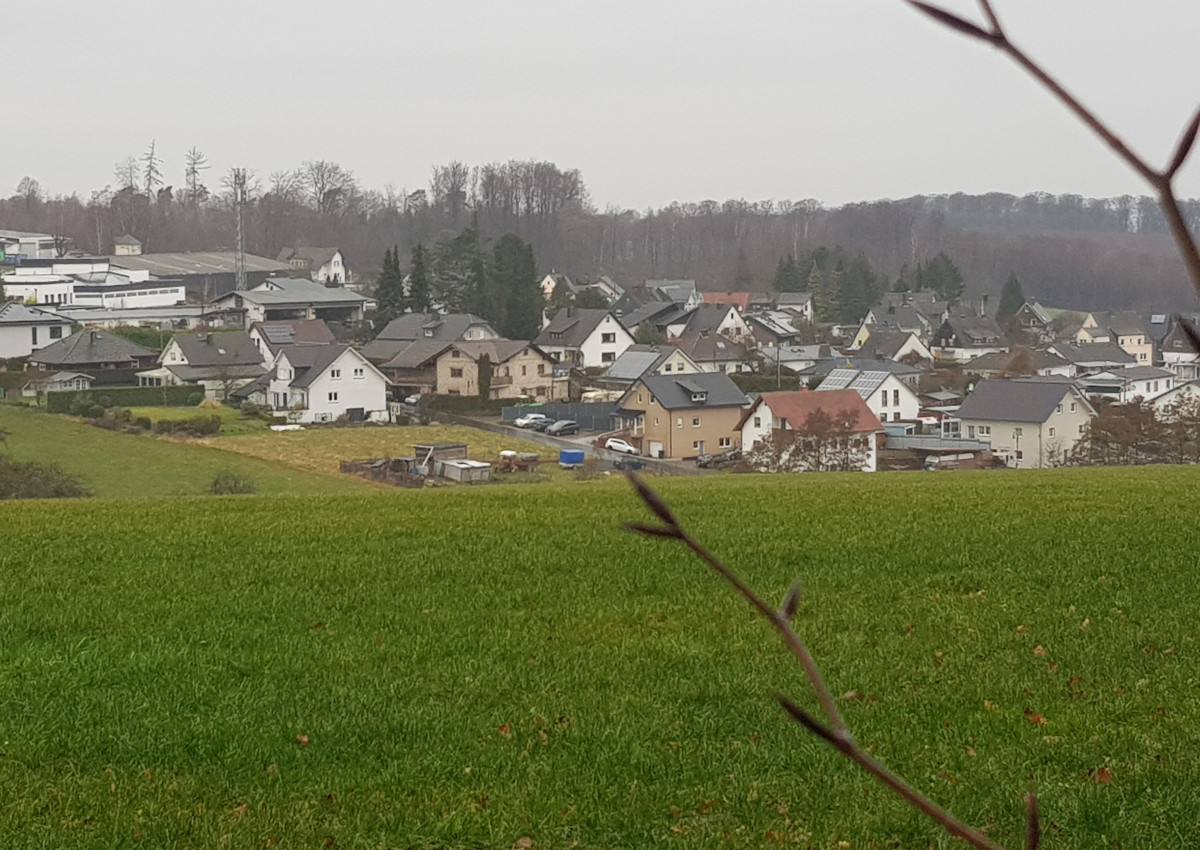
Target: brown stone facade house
<point x="518" y="370"/>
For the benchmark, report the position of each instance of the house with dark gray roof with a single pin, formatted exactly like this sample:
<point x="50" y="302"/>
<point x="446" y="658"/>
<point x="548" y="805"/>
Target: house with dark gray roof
<point x="909" y="375"/>
<point x="292" y="298"/>
<point x="962" y="338"/>
<point x="585" y="338"/>
<point x="515" y="370"/>
<point x="1093" y="357"/>
<point x="682" y="416"/>
<point x="220" y="362"/>
<point x="1124" y="385"/>
<point x="321" y="383"/>
<point x="23" y="329"/>
<point x="272" y="337"/>
<point x="1028" y="423"/>
<point x="429" y="327"/>
<point x="639" y="361"/>
<point x="110" y="359"/>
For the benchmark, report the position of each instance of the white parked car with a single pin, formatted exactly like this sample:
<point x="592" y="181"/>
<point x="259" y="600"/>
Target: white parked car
<point x="615" y="444"/>
<point x="529" y="419"/>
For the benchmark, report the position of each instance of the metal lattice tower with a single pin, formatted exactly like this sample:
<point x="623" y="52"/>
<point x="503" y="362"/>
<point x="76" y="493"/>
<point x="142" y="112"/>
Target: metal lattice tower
<point x="239" y="201"/>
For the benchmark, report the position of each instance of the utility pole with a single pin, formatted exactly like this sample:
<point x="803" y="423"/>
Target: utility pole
<point x="239" y="201"/>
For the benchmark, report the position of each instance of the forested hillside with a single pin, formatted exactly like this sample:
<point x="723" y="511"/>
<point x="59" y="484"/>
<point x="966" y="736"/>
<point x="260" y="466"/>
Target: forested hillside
<point x="1066" y="250"/>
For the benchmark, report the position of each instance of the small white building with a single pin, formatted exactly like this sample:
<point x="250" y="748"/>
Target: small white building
<point x="1028" y="423"/>
<point x="1124" y="385"/>
<point x="585" y="338"/>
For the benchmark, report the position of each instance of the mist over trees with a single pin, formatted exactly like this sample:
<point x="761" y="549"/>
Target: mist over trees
<point x="1066" y="250"/>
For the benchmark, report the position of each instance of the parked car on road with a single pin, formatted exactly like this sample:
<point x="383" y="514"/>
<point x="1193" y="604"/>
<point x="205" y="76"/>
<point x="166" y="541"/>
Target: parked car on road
<point x="563" y="427"/>
<point x="415" y="398"/>
<point x="541" y="425"/>
<point x="529" y="419"/>
<point x="629" y="463"/>
<point x="616" y="444"/>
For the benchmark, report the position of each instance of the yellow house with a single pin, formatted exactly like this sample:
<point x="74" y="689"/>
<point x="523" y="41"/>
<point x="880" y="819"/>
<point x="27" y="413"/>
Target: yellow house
<point x="682" y="416"/>
<point x="518" y="369"/>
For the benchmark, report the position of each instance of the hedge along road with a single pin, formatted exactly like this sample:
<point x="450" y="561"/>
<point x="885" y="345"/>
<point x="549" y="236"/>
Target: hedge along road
<point x="662" y="467"/>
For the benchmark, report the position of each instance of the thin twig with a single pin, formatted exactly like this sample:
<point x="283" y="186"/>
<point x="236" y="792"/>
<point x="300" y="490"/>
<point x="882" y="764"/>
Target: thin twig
<point x="836" y="734"/>
<point x="1033" y="823"/>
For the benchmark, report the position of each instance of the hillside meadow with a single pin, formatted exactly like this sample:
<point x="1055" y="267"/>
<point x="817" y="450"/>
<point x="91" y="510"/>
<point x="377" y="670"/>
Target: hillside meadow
<point x="500" y="666"/>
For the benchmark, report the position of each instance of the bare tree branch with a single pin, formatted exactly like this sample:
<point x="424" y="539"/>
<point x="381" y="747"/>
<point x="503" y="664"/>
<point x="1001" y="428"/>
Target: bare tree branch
<point x="836" y="734"/>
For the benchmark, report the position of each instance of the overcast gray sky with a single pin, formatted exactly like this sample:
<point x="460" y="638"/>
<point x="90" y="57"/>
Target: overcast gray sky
<point x="653" y="101"/>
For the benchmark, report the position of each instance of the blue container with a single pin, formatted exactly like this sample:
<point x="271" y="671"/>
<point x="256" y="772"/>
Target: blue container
<point x="570" y="458"/>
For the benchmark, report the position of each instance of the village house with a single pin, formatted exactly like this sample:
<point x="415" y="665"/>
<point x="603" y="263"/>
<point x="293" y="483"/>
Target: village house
<point x="518" y="370"/>
<point x="1179" y="354"/>
<point x="641" y="360"/>
<point x="1092" y="358"/>
<point x="721" y="319"/>
<point x="24" y="329"/>
<point x="1124" y="385"/>
<point x="110" y="360"/>
<point x="774" y="328"/>
<point x="39" y="382"/>
<point x="585" y="338"/>
<point x="797" y="304"/>
<point x="412" y="368"/>
<point x="220" y="362"/>
<point x="885" y="394"/>
<point x="270" y="338"/>
<point x="961" y="339"/>
<point x="684" y="416"/>
<point x="790" y="417"/>
<point x="1028" y="423"/>
<point x="715" y="353"/>
<point x="910" y="376"/>
<point x="324" y="265"/>
<point x="881" y="343"/>
<point x="320" y="383"/>
<point x="1021" y="362"/>
<point x="1126" y="329"/>
<point x="283" y="298"/>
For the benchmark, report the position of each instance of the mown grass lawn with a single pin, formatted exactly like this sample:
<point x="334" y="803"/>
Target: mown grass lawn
<point x="232" y="421"/>
<point x="126" y="466"/>
<point x="469" y="667"/>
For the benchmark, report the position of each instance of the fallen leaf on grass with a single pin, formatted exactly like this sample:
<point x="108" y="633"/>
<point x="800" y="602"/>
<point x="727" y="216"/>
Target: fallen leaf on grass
<point x="505" y="730"/>
<point x="1035" y="718"/>
<point x="1102" y="776"/>
<point x="938" y="657"/>
<point x="524" y="842"/>
<point x="989" y="705"/>
<point x="1039" y="651"/>
<point x="241" y="811"/>
<point x="302" y="740"/>
<point x="317" y="626"/>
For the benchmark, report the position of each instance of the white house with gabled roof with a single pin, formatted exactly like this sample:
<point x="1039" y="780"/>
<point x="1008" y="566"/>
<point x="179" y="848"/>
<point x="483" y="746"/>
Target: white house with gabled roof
<point x="888" y="397"/>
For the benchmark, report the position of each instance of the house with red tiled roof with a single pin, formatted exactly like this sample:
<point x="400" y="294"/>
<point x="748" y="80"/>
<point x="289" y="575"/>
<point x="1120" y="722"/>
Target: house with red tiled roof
<point x="740" y="300"/>
<point x="823" y="425"/>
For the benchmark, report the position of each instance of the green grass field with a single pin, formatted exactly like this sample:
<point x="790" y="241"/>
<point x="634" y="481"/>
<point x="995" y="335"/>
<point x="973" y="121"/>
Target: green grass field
<point x="471" y="667"/>
<point x="126" y="466"/>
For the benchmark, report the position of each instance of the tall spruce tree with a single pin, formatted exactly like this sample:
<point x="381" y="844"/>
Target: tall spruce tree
<point x="419" y="296"/>
<point x="1012" y="297"/>
<point x="514" y="275"/>
<point x="943" y="277"/>
<point x="389" y="290"/>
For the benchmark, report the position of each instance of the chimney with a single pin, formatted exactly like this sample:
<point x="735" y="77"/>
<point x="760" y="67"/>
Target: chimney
<point x="208" y="338"/>
<point x="92" y="337"/>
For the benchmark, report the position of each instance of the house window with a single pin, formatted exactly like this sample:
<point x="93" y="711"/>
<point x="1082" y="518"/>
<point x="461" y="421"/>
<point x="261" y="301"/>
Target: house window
<point x="453" y="392"/>
<point x="655" y="421"/>
<point x="1051" y="432"/>
<point x="725" y="442"/>
<point x="454" y="353"/>
<point x="541" y="369"/>
<point x="757" y="421"/>
<point x="56" y="332"/>
<point x="883" y="401"/>
<point x="667" y="367"/>
<point x="34" y="335"/>
<point x="335" y="374"/>
<point x="985" y="430"/>
<point x="679" y="422"/>
<point x="1017" y="432"/>
<point x="1080" y="429"/>
<point x="895" y="398"/>
<point x="970" y="432"/>
<point x="696" y="445"/>
<point x="358" y="371"/>
<point x="522" y="371"/>
<point x="608" y="338"/>
<point x="456" y="373"/>
<point x="639" y="398"/>
<point x="608" y="357"/>
<point x="333" y="397"/>
<point x="1058" y="409"/>
<point x="1020" y="454"/>
<point x="695" y="421"/>
<point x="1072" y="407"/>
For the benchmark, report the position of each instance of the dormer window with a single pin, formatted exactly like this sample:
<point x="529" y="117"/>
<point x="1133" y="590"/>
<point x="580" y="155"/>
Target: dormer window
<point x="700" y="397"/>
<point x="429" y="332"/>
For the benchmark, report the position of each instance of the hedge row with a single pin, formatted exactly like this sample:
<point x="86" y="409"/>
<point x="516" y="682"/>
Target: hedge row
<point x="181" y="396"/>
<point x="464" y="404"/>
